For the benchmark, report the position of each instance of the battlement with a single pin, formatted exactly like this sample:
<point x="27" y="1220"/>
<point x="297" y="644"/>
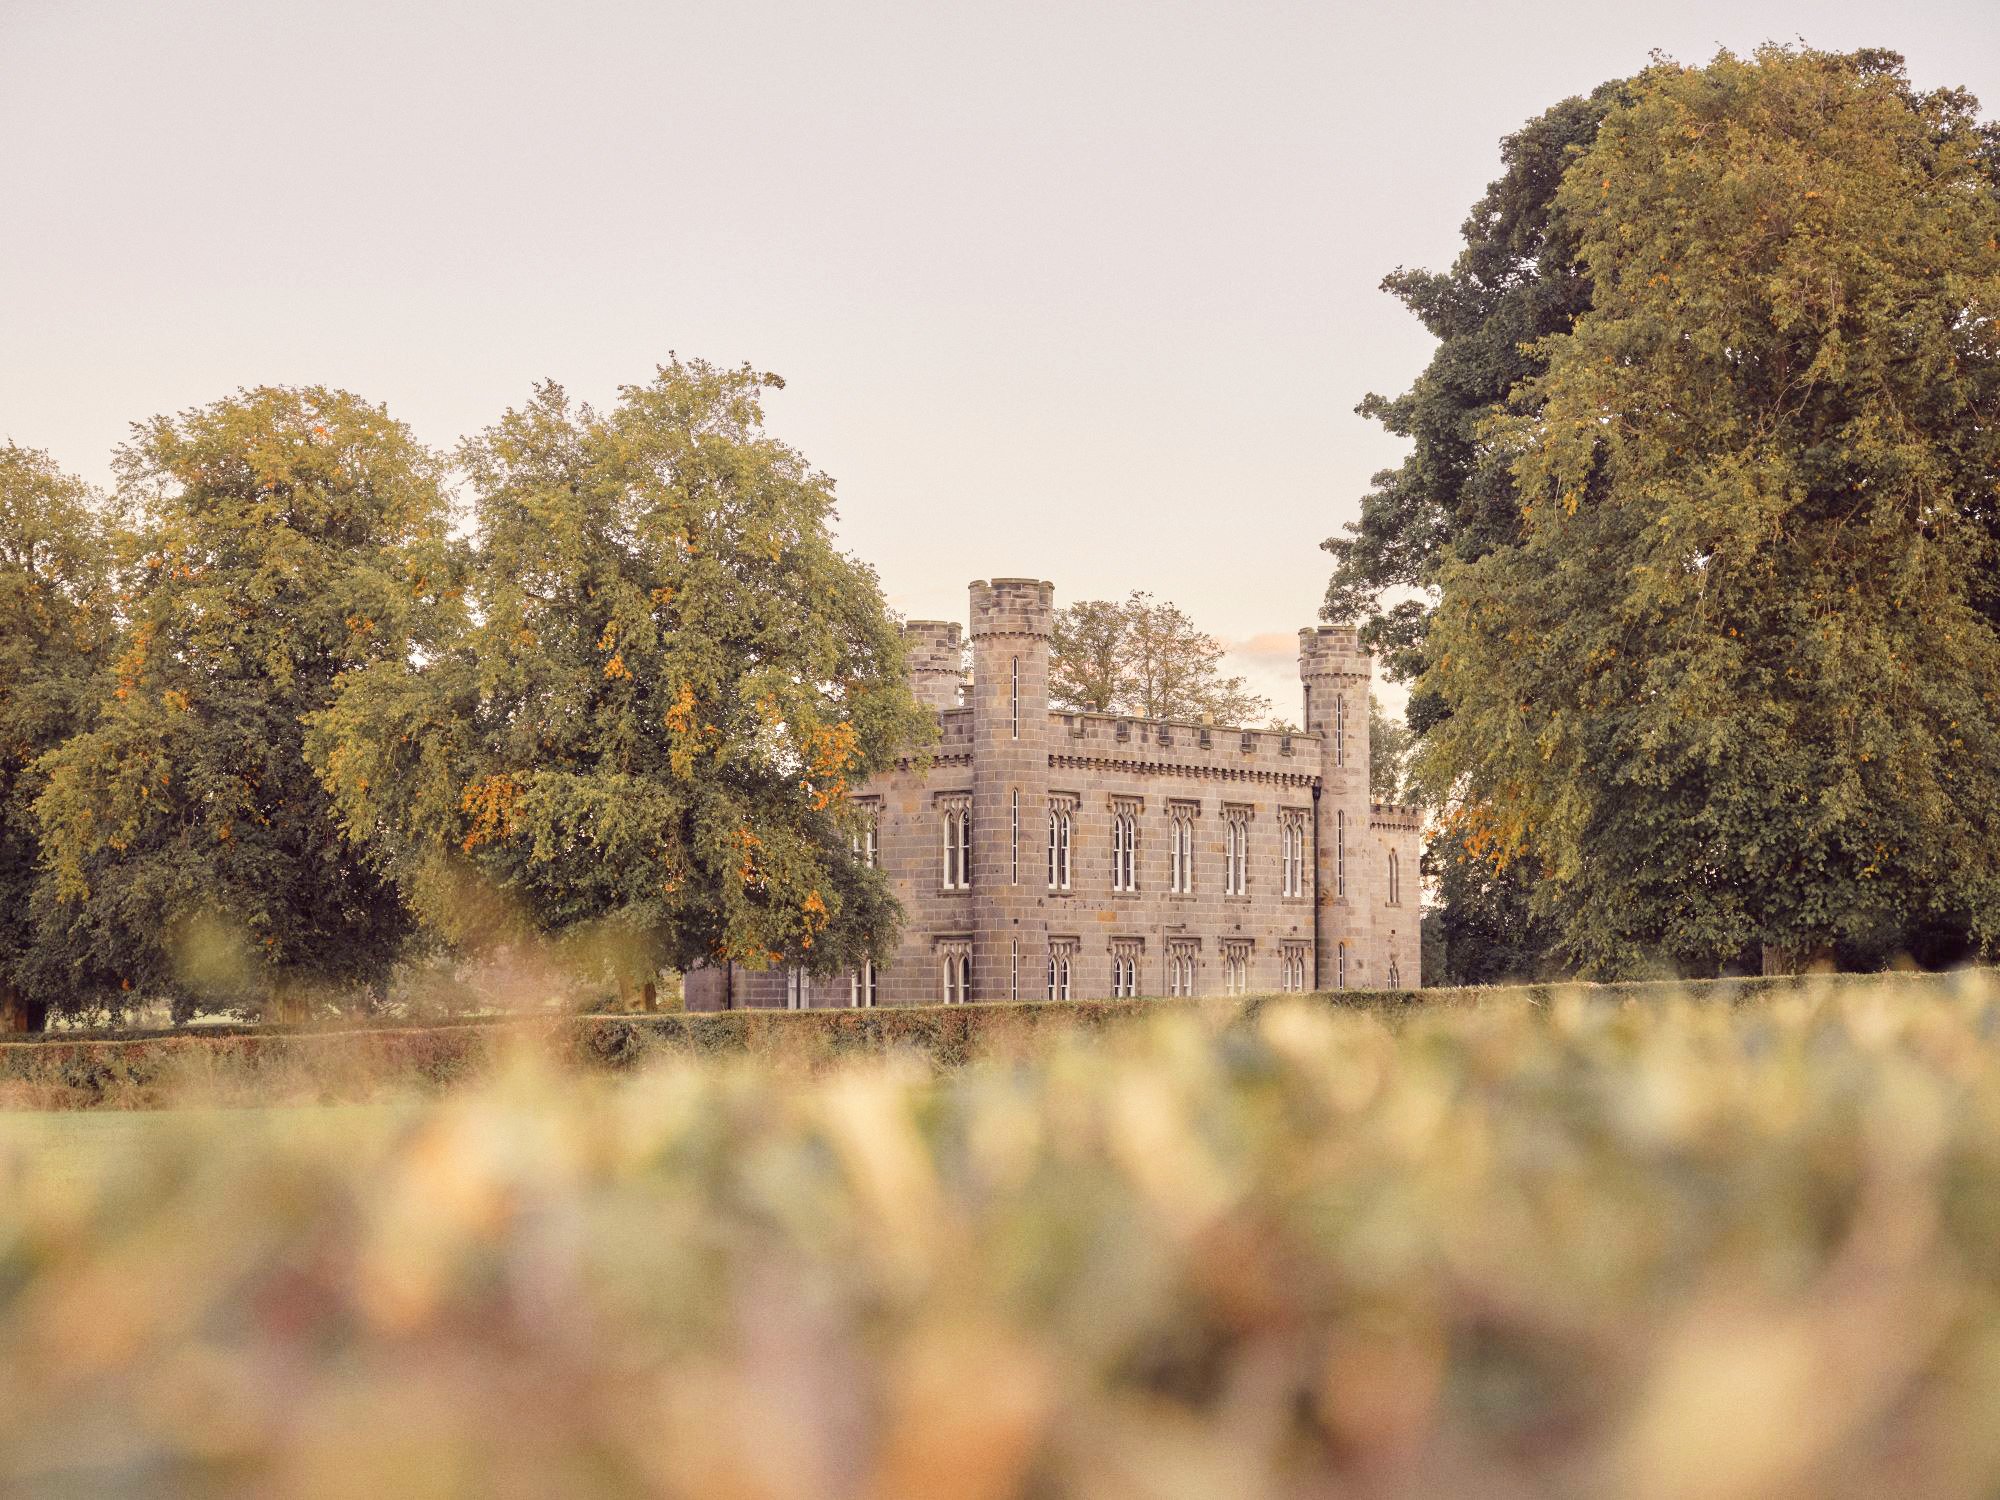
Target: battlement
<point x="1013" y="606"/>
<point x="1406" y="816"/>
<point x="1182" y="741"/>
<point x="1332" y="651"/>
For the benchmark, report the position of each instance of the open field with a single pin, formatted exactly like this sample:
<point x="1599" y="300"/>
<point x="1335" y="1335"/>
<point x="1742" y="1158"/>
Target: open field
<point x="1571" y="1248"/>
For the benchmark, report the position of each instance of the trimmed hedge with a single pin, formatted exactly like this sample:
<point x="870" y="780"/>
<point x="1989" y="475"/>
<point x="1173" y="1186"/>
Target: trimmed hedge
<point x="358" y="1061"/>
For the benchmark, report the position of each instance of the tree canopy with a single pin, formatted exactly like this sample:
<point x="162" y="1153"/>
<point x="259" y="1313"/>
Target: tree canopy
<point x="1733" y="684"/>
<point x="1516" y="283"/>
<point x="56" y="628"/>
<point x="273" y="540"/>
<point x="1144" y="657"/>
<point x="640" y="738"/>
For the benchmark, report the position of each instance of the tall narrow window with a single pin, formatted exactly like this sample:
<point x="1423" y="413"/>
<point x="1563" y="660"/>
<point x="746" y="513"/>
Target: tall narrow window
<point x="1060" y="957"/>
<point x="1395" y="979"/>
<point x="956" y="824"/>
<point x="861" y="986"/>
<point x="867" y="846"/>
<point x="1014" y="699"/>
<point x="1124" y="850"/>
<point x="1340" y="966"/>
<point x="1395" y="879"/>
<point x="1015" y="840"/>
<point x="1236" y="969"/>
<point x="1014" y="970"/>
<point x="1059" y="848"/>
<point x="798" y="990"/>
<point x="1180" y="877"/>
<point x="1340" y="852"/>
<point x="1235" y="852"/>
<point x="957" y="960"/>
<point x="1292" y="835"/>
<point x="1340" y="729"/>
<point x="1125" y="958"/>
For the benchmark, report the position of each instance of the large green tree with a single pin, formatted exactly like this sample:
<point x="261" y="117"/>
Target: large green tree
<point x="56" y="626"/>
<point x="276" y="539"/>
<point x="1453" y="498"/>
<point x="1733" y="687"/>
<point x="640" y="742"/>
<point x="1144" y="657"/>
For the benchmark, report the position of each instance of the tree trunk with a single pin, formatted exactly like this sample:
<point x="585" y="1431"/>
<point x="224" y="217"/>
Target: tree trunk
<point x="13" y="1011"/>
<point x="649" y="997"/>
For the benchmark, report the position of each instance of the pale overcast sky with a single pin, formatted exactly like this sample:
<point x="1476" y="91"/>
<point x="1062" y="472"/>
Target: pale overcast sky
<point x="1084" y="291"/>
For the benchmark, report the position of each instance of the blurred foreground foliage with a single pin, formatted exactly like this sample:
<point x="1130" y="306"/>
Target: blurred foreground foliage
<point x="1567" y="1248"/>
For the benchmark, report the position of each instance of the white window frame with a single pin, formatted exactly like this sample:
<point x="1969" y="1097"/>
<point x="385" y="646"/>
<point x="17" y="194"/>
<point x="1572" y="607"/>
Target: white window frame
<point x="1124" y="851"/>
<point x="798" y="988"/>
<point x="1125" y="972"/>
<point x="957" y="831"/>
<point x="1236" y="853"/>
<point x="957" y="977"/>
<point x="1340" y="729"/>
<point x="1061" y="831"/>
<point x="1340" y="852"/>
<point x="861" y="987"/>
<point x="1016" y="836"/>
<point x="1181" y="876"/>
<point x="1340" y="966"/>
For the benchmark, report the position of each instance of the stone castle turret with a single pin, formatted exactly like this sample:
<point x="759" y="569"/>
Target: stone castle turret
<point x="1013" y="620"/>
<point x="936" y="653"/>
<point x="1336" y="672"/>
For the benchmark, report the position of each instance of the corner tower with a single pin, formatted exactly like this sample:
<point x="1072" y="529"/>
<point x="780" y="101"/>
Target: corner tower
<point x="935" y="650"/>
<point x="1336" y="672"/>
<point x="1012" y="622"/>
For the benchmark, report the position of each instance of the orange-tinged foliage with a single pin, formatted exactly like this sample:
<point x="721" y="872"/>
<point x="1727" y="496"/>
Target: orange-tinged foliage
<point x="490" y="802"/>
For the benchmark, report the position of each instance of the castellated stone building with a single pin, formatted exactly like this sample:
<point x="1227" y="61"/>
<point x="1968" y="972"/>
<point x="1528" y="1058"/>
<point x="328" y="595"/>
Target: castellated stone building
<point x="1048" y="855"/>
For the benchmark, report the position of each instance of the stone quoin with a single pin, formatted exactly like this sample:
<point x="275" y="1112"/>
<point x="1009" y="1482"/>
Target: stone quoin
<point x="1050" y="855"/>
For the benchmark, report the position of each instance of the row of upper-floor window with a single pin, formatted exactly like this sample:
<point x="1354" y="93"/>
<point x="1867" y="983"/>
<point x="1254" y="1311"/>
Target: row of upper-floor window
<point x="1294" y="838"/>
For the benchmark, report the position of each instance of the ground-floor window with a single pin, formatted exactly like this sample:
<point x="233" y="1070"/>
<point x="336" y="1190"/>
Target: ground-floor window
<point x="1180" y="969"/>
<point x="1125" y="960"/>
<point x="861" y="986"/>
<point x="1293" y="962"/>
<point x="1236" y="970"/>
<point x="1061" y="960"/>
<point x="798" y="990"/>
<point x="957" y="964"/>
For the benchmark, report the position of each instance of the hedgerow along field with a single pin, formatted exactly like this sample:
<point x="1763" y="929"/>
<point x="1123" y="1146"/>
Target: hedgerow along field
<point x="1580" y="1247"/>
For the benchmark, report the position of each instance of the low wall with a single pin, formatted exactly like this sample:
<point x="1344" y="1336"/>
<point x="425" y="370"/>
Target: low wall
<point x="256" y="1065"/>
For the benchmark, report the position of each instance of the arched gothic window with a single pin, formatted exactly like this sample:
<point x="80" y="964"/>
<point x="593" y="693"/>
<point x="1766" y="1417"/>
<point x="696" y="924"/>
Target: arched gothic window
<point x="1059" y="848"/>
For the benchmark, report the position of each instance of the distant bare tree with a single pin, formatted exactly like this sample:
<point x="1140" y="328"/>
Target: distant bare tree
<point x="1146" y="658"/>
